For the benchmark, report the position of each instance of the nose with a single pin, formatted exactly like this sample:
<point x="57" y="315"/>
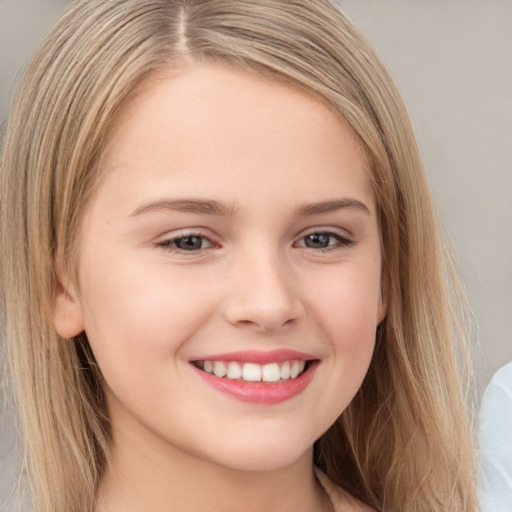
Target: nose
<point x="262" y="294"/>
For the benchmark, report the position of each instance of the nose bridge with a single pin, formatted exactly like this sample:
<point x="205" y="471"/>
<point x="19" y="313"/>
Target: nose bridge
<point x="262" y="291"/>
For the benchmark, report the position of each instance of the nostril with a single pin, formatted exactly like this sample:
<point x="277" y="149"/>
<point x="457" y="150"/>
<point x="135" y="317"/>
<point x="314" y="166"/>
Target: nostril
<point x="266" y="323"/>
<point x="247" y="323"/>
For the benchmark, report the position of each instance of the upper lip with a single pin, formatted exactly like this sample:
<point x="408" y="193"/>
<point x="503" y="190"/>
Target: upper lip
<point x="258" y="356"/>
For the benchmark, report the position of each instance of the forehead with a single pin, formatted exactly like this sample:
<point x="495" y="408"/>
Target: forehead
<point x="204" y="124"/>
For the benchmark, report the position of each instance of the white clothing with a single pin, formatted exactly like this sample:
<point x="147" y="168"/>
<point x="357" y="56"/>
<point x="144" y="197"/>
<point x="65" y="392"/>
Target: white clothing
<point x="495" y="436"/>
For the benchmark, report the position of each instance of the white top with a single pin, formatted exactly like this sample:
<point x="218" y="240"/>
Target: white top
<point x="495" y="436"/>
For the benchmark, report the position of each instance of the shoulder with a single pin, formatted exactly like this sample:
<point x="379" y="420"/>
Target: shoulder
<point x="502" y="379"/>
<point x="498" y="394"/>
<point x="341" y="500"/>
<point x="495" y="469"/>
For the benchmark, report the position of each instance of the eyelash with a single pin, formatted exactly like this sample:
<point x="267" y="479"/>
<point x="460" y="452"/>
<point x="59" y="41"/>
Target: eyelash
<point x="170" y="244"/>
<point x="340" y="242"/>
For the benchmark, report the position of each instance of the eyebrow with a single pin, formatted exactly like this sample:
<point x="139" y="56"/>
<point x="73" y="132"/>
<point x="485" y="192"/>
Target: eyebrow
<point x="332" y="206"/>
<point x="197" y="206"/>
<point x="211" y="207"/>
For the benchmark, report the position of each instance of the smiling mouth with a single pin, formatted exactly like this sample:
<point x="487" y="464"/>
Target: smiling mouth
<point x="258" y="377"/>
<point x="276" y="372"/>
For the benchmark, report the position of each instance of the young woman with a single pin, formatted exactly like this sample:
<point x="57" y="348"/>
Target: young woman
<point x="223" y="285"/>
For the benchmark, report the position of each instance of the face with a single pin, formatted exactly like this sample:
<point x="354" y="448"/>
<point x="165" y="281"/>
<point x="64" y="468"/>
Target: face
<point x="229" y="268"/>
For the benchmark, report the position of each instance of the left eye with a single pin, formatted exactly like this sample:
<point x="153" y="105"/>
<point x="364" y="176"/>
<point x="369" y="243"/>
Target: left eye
<point x="323" y="240"/>
<point x="187" y="243"/>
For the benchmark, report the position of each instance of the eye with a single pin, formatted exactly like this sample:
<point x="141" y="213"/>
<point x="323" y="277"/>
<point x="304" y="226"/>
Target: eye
<point x="188" y="243"/>
<point x="324" y="240"/>
<point x="318" y="240"/>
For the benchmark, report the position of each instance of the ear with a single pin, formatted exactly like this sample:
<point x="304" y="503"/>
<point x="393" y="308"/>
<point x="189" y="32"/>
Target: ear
<point x="67" y="310"/>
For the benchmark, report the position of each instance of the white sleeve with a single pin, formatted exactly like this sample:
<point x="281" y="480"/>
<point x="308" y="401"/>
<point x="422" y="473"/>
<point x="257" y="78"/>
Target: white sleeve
<point x="495" y="437"/>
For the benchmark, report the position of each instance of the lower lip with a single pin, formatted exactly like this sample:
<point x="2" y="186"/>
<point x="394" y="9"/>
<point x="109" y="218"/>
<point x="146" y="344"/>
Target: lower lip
<point x="261" y="392"/>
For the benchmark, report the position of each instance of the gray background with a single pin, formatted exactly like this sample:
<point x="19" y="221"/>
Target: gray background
<point x="452" y="60"/>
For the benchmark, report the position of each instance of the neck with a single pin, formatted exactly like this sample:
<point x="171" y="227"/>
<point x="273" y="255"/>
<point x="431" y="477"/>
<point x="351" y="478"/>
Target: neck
<point x="150" y="475"/>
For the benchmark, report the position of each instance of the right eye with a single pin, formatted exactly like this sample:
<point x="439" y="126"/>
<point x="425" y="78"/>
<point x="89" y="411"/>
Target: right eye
<point x="188" y="243"/>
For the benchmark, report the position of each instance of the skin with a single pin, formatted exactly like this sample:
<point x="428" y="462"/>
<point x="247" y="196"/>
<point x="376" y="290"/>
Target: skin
<point x="265" y="152"/>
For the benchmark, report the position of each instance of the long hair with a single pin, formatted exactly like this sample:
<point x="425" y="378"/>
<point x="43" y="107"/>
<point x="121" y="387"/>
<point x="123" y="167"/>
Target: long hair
<point x="403" y="444"/>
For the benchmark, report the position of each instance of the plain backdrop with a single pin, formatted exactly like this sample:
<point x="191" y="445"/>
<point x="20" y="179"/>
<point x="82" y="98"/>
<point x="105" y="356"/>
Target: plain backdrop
<point x="452" y="61"/>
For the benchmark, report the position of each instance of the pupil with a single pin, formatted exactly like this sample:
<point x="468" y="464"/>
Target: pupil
<point x="317" y="240"/>
<point x="189" y="243"/>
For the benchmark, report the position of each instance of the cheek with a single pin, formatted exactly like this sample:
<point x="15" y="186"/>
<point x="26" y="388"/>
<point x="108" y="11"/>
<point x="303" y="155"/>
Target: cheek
<point x="349" y="303"/>
<point x="142" y="318"/>
<point x="348" y="311"/>
<point x="345" y="311"/>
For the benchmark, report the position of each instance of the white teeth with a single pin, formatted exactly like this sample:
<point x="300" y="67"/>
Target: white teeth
<point x="294" y="370"/>
<point x="270" y="373"/>
<point x="234" y="371"/>
<point x="219" y="369"/>
<point x="252" y="372"/>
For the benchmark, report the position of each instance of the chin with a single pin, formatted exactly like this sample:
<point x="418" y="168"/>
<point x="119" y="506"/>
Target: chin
<point x="258" y="457"/>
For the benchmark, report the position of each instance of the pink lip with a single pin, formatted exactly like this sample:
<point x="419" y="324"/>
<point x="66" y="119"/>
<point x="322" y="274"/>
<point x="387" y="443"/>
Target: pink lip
<point x="260" y="392"/>
<point x="258" y="356"/>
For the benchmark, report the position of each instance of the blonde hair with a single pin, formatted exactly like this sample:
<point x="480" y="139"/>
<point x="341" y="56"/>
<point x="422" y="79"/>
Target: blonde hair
<point x="403" y="444"/>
